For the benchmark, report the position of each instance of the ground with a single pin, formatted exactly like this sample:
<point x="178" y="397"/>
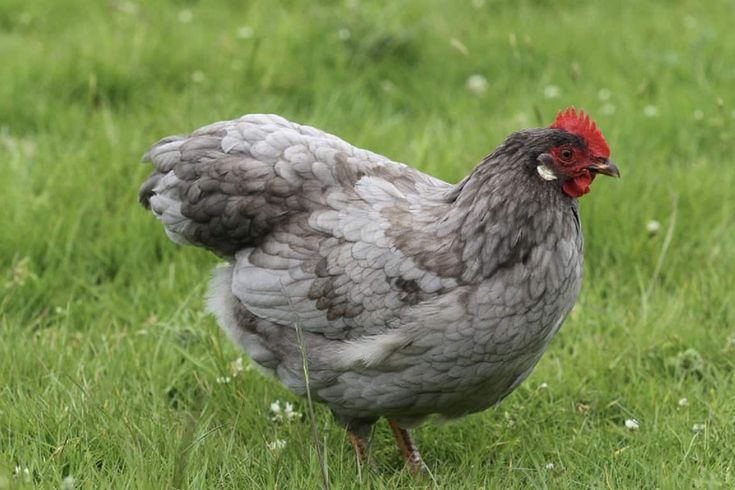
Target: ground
<point x="112" y="376"/>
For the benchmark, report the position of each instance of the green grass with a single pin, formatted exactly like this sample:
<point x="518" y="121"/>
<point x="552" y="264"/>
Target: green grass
<point x="109" y="367"/>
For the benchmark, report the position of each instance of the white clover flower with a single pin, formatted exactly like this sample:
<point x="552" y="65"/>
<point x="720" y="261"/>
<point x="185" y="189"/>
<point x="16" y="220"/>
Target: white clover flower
<point x="275" y="407"/>
<point x="552" y="91"/>
<point x="683" y="402"/>
<point x="67" y="483"/>
<point x="697" y="428"/>
<point x="608" y="109"/>
<point x="197" y="76"/>
<point x="477" y="84"/>
<point x="549" y="466"/>
<point x="285" y="413"/>
<point x="290" y="413"/>
<point x="650" y="111"/>
<point x="185" y="16"/>
<point x="245" y="32"/>
<point x="653" y="227"/>
<point x="632" y="424"/>
<point x="276" y="445"/>
<point x="604" y="95"/>
<point x="344" y="34"/>
<point x="24" y="473"/>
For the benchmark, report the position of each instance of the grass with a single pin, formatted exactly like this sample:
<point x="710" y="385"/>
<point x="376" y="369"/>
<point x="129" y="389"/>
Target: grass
<point x="108" y="367"/>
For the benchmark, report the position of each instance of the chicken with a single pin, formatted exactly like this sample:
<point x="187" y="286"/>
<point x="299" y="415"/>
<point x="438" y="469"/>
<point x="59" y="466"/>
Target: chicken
<point x="408" y="296"/>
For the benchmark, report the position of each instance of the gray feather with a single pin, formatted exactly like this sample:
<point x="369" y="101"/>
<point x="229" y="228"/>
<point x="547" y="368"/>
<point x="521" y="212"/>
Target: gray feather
<point x="415" y="296"/>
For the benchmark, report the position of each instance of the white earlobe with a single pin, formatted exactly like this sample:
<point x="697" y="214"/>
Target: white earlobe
<point x="545" y="172"/>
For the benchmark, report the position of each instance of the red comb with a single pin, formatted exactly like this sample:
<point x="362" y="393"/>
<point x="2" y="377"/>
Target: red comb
<point x="581" y="125"/>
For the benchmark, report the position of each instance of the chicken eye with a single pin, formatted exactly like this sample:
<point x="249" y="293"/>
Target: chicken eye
<point x="566" y="154"/>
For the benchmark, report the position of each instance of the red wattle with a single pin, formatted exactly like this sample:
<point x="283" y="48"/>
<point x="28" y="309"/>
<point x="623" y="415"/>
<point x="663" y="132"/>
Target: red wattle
<point x="579" y="185"/>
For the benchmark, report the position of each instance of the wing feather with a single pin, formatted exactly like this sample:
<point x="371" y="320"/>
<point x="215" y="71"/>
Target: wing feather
<point x="301" y="214"/>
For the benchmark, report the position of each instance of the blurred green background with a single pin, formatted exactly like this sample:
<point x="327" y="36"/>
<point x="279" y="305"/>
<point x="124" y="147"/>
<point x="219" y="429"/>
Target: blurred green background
<point x="112" y="376"/>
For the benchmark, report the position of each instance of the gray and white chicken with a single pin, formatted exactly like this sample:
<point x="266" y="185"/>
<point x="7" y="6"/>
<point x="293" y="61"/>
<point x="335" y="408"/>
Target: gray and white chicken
<point x="413" y="296"/>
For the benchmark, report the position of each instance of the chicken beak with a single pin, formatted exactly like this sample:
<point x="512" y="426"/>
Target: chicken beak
<point x="605" y="167"/>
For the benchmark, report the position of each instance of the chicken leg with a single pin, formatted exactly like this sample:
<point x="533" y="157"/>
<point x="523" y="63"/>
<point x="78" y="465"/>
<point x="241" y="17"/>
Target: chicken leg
<point x="409" y="451"/>
<point x="360" y="445"/>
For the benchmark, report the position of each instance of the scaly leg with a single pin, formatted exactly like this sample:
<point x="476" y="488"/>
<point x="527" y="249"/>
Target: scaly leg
<point x="360" y="446"/>
<point x="409" y="451"/>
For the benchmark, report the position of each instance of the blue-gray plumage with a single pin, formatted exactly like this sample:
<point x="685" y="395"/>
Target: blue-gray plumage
<point x="416" y="297"/>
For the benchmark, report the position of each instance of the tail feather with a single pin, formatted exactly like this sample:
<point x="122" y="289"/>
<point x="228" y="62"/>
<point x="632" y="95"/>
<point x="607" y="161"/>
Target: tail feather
<point x="209" y="196"/>
<point x="165" y="153"/>
<point x="226" y="186"/>
<point x="147" y="189"/>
